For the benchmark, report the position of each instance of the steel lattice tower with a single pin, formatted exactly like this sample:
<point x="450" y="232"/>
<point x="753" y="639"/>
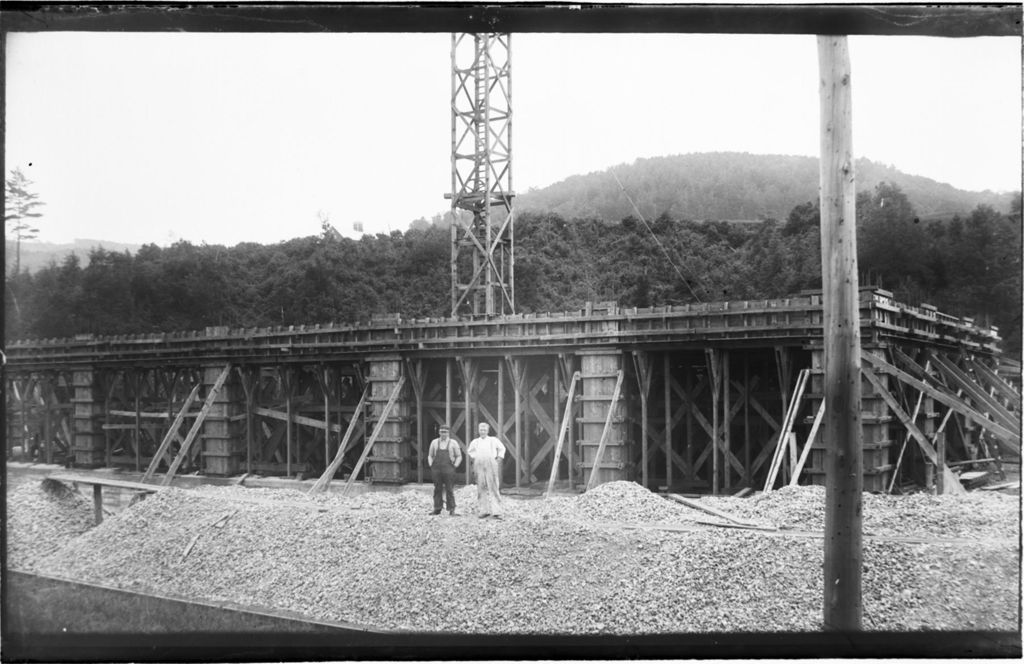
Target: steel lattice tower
<point x="482" y="263"/>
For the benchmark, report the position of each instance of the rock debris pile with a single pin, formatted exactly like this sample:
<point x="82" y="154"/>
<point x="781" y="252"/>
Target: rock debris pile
<point x="379" y="560"/>
<point x="974" y="515"/>
<point x="40" y="521"/>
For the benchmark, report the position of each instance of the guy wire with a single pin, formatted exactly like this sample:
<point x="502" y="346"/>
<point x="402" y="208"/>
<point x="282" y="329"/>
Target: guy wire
<point x="649" y="230"/>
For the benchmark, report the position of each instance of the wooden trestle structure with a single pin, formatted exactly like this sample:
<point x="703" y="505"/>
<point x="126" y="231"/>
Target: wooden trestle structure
<point x="694" y="398"/>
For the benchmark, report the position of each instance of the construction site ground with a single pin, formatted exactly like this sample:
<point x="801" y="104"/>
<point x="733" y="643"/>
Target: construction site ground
<point x="617" y="560"/>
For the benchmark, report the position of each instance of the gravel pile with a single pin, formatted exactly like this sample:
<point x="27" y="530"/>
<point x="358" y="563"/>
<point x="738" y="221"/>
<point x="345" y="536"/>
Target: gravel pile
<point x="974" y="515"/>
<point x="617" y="501"/>
<point x="389" y="565"/>
<point x="39" y="521"/>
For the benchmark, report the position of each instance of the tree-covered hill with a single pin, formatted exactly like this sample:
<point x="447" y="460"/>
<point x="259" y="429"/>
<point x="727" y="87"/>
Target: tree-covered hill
<point x="967" y="266"/>
<point x="733" y="186"/>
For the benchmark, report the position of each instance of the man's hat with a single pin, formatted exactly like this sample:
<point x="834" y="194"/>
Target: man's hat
<point x="443" y="427"/>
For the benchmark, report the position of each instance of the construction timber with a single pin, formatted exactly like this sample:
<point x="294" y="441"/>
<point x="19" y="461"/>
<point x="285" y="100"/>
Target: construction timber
<point x="712" y="397"/>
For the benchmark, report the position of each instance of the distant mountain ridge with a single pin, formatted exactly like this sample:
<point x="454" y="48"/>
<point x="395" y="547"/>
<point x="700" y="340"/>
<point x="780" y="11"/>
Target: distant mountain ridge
<point x="37" y="255"/>
<point x="733" y="186"/>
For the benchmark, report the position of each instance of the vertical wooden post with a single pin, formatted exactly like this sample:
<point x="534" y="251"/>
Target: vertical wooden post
<point x="725" y="419"/>
<point x="688" y="406"/>
<point x="327" y="416"/>
<point x="668" y="421"/>
<point x="844" y="457"/>
<point x="749" y="472"/>
<point x="288" y="433"/>
<point x="467" y="387"/>
<point x="713" y="377"/>
<point x="46" y="391"/>
<point x="940" y="464"/>
<point x="97" y="503"/>
<point x="137" y="431"/>
<point x="642" y="364"/>
<point x="500" y="433"/>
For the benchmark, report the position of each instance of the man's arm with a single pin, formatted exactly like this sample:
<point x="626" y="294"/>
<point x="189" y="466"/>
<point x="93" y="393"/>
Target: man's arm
<point x="432" y="452"/>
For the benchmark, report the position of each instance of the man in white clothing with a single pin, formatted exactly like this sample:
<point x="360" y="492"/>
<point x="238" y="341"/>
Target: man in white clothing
<point x="487" y="452"/>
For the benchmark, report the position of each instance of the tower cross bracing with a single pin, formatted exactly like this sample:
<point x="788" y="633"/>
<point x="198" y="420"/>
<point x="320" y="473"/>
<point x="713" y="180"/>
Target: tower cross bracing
<point x="482" y="229"/>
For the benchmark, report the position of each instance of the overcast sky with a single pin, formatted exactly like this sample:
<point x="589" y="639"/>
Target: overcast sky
<point x="227" y="138"/>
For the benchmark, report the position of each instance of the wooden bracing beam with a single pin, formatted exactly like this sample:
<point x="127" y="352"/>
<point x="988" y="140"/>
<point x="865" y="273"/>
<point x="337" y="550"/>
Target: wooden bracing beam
<point x="562" y="431"/>
<point x="376" y="432"/>
<point x="946" y="399"/>
<point x="642" y="364"/>
<point x="1006" y="391"/>
<point x="170" y="436"/>
<point x="325" y="479"/>
<point x="194" y="431"/>
<point x="607" y="427"/>
<point x="951" y="484"/>
<point x="981" y="398"/>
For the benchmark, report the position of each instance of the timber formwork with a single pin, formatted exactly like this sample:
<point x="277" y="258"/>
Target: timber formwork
<point x="699" y="398"/>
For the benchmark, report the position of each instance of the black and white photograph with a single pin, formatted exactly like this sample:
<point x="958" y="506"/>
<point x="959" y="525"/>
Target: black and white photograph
<point x="511" y="332"/>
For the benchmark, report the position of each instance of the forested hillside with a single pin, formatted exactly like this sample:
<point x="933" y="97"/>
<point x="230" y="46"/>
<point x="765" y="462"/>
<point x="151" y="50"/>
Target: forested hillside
<point x="970" y="265"/>
<point x="731" y="185"/>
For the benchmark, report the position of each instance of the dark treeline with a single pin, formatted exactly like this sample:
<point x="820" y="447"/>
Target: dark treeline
<point x="966" y="267"/>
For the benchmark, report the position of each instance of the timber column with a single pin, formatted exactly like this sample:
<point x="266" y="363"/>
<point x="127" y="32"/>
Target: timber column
<point x="223" y="436"/>
<point x="89" y="439"/>
<point x="391" y="457"/>
<point x="603" y="416"/>
<point x="876" y="426"/>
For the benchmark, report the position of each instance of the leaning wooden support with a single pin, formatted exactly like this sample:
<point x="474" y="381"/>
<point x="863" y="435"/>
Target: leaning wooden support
<point x="604" y="432"/>
<point x="171" y="433"/>
<point x="981" y="398"/>
<point x="325" y="479"/>
<point x="950" y="481"/>
<point x="807" y="446"/>
<point x="787" y="426"/>
<point x="376" y="432"/>
<point x="948" y="400"/>
<point x="1006" y="391"/>
<point x="710" y="510"/>
<point x="197" y="425"/>
<point x="562" y="430"/>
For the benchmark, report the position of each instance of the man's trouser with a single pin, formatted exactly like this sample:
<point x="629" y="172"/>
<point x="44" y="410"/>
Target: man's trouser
<point x="444" y="482"/>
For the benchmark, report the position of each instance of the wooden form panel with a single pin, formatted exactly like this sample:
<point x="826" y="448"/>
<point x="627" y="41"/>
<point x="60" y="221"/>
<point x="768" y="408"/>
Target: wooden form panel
<point x="781" y="320"/>
<point x="390" y="460"/>
<point x="599" y="375"/>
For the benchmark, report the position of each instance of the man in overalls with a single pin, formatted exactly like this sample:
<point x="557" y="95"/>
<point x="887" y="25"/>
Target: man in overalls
<point x="443" y="458"/>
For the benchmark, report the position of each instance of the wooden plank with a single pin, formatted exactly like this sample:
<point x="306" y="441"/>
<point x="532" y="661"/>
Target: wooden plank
<point x="1005" y="485"/>
<point x="950" y="481"/>
<point x="105" y="481"/>
<point x="170" y="435"/>
<point x="1006" y="391"/>
<point x="194" y="431"/>
<point x="325" y="478"/>
<point x="945" y="399"/>
<point x="981" y="398"/>
<point x="787" y="425"/>
<point x="562" y="430"/>
<point x="607" y="428"/>
<point x="710" y="510"/>
<point x="297" y="419"/>
<point x="376" y="432"/>
<point x="794" y="480"/>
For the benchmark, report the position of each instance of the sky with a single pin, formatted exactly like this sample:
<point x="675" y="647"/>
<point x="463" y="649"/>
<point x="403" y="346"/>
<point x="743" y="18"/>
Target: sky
<point x="228" y="138"/>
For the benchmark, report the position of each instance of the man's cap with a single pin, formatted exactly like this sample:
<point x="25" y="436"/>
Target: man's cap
<point x="443" y="427"/>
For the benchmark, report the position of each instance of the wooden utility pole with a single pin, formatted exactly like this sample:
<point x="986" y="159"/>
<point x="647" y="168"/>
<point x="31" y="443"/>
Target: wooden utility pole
<point x="843" y="457"/>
